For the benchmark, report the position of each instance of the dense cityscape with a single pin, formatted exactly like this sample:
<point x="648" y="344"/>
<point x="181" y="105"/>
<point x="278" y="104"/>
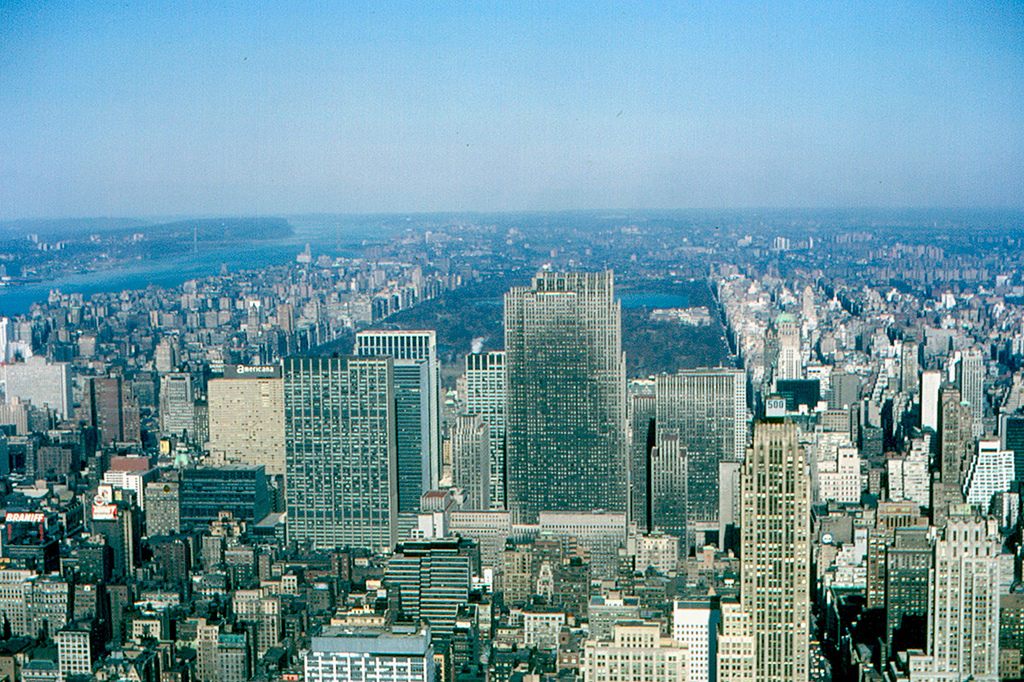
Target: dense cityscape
<point x="613" y="446"/>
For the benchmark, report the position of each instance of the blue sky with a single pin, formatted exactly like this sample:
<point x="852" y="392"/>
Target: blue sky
<point x="141" y="109"/>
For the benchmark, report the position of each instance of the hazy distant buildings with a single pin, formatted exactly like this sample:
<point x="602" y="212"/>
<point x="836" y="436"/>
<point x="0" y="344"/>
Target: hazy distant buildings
<point x="417" y="407"/>
<point x="341" y="483"/>
<point x="566" y="419"/>
<point x="43" y="383"/>
<point x="485" y="396"/>
<point x="246" y="413"/>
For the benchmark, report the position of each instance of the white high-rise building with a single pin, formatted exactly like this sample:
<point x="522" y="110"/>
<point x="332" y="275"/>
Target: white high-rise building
<point x="74" y="650"/>
<point x="991" y="471"/>
<point x="695" y="623"/>
<point x="485" y="396"/>
<point x="963" y="605"/>
<point x="39" y="381"/>
<point x="366" y="654"/>
<point x="931" y="380"/>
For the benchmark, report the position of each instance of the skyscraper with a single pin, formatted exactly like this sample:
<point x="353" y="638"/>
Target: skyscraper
<point x="432" y="579"/>
<point x="566" y="419"/>
<point x="956" y="447"/>
<point x="789" y="364"/>
<point x="971" y="381"/>
<point x="417" y="407"/>
<point x="485" y="396"/>
<point x="706" y="410"/>
<point x="931" y="380"/>
<point x="909" y="376"/>
<point x="247" y="417"/>
<point x="471" y="461"/>
<point x="963" y="604"/>
<point x="775" y="562"/>
<point x="341" y="464"/>
<point x="177" y="405"/>
<point x="641" y="441"/>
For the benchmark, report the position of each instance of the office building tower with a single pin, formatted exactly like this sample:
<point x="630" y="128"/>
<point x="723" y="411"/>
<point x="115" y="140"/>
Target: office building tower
<point x="105" y="402"/>
<point x="695" y="624"/>
<point x="566" y="396"/>
<point x="261" y="612"/>
<point x="400" y="653"/>
<point x="471" y="461"/>
<point x="1011" y="436"/>
<point x="963" y="604"/>
<point x="485" y="396"/>
<point x="207" y="492"/>
<point x="43" y="383"/>
<point x="163" y="507"/>
<point x="76" y="649"/>
<point x="341" y="484"/>
<point x="233" y="660"/>
<point x="641" y="436"/>
<point x="844" y="390"/>
<point x="931" y="381"/>
<point x="246" y="417"/>
<point x="770" y="638"/>
<point x="177" y="405"/>
<point x="165" y="355"/>
<point x="116" y="517"/>
<point x="789" y="364"/>
<point x="956" y="448"/>
<point x="1011" y="636"/>
<point x="669" y="477"/>
<point x="417" y="407"/>
<point x="432" y="579"/>
<point x="705" y="410"/>
<point x="909" y="368"/>
<point x="907" y="560"/>
<point x="991" y="471"/>
<point x="971" y="382"/>
<point x="636" y="652"/>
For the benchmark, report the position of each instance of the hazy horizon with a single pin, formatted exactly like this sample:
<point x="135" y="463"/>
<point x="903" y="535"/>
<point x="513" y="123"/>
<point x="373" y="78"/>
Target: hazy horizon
<point x="163" y="110"/>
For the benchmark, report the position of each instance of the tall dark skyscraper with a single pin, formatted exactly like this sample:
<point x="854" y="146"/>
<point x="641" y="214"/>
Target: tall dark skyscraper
<point x="566" y="420"/>
<point x="341" y="463"/>
<point x="705" y="411"/>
